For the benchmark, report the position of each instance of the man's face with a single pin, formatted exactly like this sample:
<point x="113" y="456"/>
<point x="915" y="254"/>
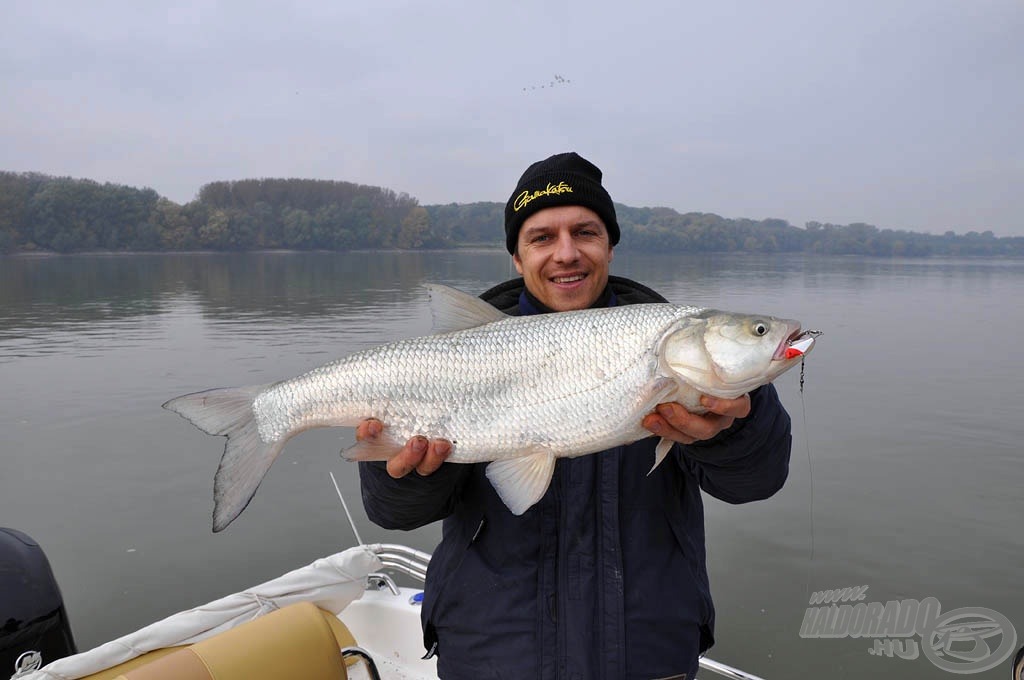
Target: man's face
<point x="563" y="254"/>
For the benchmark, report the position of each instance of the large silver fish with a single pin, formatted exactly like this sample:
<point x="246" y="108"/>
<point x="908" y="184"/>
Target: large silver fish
<point x="518" y="391"/>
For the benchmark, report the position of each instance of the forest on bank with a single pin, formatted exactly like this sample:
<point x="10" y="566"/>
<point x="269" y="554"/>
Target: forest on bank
<point x="41" y="213"/>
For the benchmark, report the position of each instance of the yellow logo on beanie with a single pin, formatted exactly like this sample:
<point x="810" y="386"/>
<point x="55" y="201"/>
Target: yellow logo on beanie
<point x="552" y="189"/>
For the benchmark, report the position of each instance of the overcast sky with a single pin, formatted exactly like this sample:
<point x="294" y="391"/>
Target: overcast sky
<point x="904" y="114"/>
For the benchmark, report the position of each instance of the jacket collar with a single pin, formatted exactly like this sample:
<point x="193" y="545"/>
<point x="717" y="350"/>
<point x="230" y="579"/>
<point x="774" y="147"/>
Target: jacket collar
<point x="529" y="305"/>
<point x="506" y="296"/>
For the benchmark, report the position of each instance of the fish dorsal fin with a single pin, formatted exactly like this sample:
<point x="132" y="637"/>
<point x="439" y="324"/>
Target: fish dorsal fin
<point x="522" y="481"/>
<point x="454" y="310"/>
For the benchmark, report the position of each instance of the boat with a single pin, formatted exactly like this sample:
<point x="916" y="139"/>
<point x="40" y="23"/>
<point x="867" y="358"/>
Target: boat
<point x="342" y="616"/>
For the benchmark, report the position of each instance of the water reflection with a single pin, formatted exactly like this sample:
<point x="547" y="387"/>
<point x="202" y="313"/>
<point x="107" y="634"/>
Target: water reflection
<point x="55" y="291"/>
<point x="911" y="404"/>
<point x="89" y="300"/>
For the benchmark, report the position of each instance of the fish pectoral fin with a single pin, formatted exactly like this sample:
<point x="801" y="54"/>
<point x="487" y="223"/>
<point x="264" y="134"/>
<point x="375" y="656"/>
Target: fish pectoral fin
<point x="660" y="451"/>
<point x="384" y="447"/>
<point x="521" y="482"/>
<point x="454" y="310"/>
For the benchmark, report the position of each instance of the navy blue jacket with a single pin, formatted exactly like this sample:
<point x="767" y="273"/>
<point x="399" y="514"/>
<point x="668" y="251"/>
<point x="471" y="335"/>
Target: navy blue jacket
<point x="605" y="577"/>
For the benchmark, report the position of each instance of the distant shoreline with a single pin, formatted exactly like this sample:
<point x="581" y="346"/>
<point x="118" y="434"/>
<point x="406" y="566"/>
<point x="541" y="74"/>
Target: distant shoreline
<point x="266" y="251"/>
<point x="48" y="254"/>
<point x="45" y="214"/>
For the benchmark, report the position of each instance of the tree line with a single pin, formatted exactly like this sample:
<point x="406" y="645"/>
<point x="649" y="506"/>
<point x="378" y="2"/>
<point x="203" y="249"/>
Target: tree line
<point x="59" y="214"/>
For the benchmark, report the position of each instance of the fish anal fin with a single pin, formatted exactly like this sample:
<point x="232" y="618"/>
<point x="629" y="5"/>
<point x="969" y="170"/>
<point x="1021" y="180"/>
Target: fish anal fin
<point x="454" y="310"/>
<point x="522" y="481"/>
<point x="384" y="447"/>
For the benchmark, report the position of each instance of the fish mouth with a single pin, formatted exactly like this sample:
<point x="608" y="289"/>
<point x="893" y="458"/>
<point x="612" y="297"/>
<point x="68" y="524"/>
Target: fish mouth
<point x="797" y="344"/>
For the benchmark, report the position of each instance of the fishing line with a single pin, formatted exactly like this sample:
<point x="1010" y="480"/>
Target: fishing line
<point x="810" y="481"/>
<point x="812" y="335"/>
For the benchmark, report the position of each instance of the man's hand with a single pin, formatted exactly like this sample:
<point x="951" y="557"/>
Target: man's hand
<point x="419" y="453"/>
<point x="673" y="422"/>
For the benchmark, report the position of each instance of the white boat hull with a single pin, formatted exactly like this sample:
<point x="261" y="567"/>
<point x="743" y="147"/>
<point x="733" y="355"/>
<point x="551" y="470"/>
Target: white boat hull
<point x="388" y="627"/>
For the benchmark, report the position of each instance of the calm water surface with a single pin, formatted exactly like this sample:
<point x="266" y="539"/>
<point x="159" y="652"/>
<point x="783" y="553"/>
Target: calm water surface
<point x="906" y="473"/>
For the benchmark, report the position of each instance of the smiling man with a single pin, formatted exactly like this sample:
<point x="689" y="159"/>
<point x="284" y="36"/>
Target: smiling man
<point x="564" y="256"/>
<point x="605" y="576"/>
<point x="561" y="233"/>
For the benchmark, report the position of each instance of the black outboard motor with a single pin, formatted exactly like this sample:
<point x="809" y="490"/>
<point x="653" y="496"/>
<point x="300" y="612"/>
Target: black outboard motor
<point x="32" y="616"/>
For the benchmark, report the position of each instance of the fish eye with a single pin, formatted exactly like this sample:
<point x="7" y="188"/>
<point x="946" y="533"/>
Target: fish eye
<point x="760" y="328"/>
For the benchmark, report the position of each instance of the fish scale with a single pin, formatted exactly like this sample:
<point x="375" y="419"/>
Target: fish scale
<point x="470" y="385"/>
<point x="516" y="391"/>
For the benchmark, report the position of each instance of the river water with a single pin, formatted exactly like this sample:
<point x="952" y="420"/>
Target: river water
<point x="906" y="473"/>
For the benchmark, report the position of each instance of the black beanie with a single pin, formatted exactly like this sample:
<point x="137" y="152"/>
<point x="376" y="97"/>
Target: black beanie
<point x="562" y="179"/>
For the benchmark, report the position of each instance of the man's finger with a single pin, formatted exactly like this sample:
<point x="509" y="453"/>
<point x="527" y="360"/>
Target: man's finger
<point x="708" y="425"/>
<point x="438" y="451"/>
<point x="678" y="417"/>
<point x="684" y="425"/>
<point x="659" y="426"/>
<point x="371" y="428"/>
<point x="736" y="408"/>
<point x="408" y="458"/>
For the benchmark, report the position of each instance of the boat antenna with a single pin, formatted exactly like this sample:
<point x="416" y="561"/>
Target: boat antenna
<point x="348" y="514"/>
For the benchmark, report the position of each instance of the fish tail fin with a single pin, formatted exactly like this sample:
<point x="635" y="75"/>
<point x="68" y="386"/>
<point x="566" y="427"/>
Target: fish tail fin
<point x="228" y="412"/>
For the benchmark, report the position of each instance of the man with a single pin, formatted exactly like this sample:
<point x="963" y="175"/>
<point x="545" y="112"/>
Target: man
<point x="605" y="577"/>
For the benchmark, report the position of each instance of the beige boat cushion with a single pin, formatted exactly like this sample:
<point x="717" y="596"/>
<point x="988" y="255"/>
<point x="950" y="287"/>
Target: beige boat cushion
<point x="298" y="641"/>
